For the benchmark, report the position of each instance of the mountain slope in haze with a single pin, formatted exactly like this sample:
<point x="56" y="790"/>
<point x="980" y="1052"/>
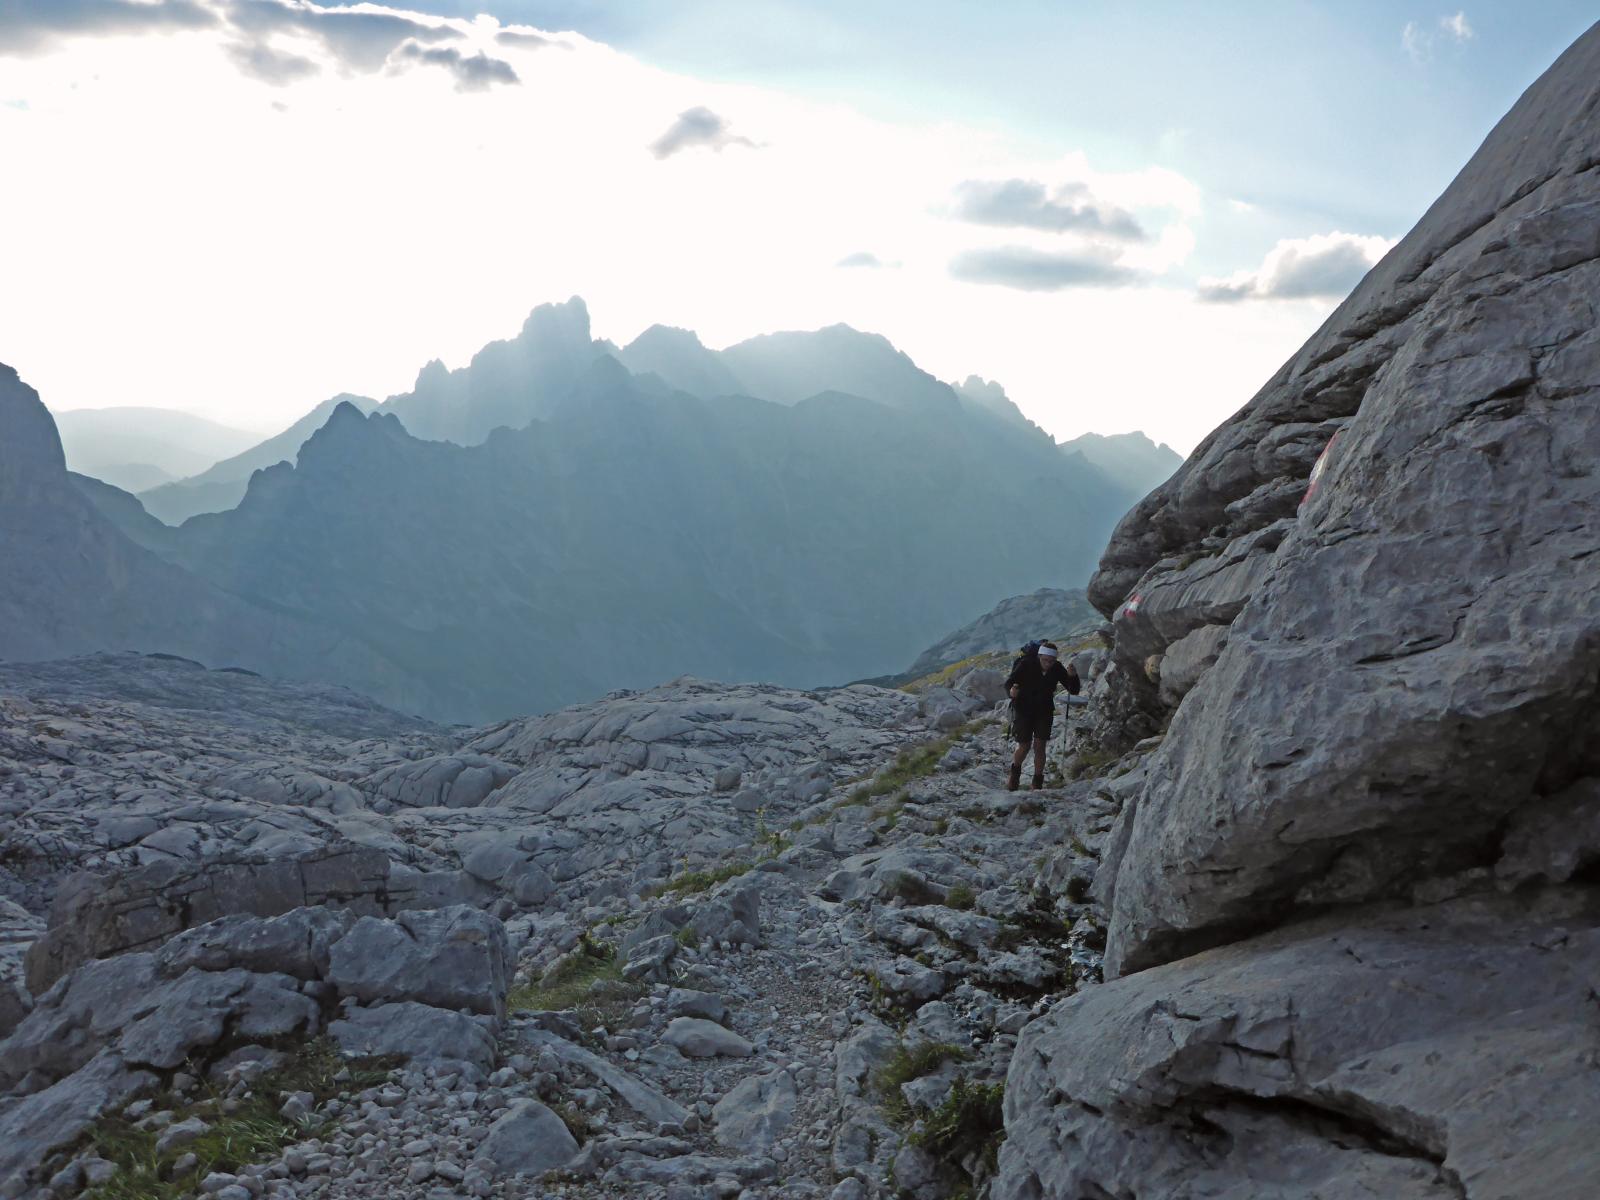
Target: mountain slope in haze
<point x="1044" y="613"/>
<point x="1130" y="457"/>
<point x="75" y="583"/>
<point x="140" y="447"/>
<point x="507" y="383"/>
<point x="635" y="535"/>
<point x="221" y="486"/>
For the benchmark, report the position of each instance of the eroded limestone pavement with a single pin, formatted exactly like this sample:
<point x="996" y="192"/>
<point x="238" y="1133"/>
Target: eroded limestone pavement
<point x="702" y="941"/>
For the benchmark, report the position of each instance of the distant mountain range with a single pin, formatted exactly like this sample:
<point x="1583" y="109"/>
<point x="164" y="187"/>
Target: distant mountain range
<point x="562" y="517"/>
<point x="138" y="448"/>
<point x="1129" y="457"/>
<point x="221" y="485"/>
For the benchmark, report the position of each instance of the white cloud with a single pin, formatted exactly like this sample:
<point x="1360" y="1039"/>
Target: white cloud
<point x="863" y="258"/>
<point x="199" y="239"/>
<point x="1030" y="204"/>
<point x="1322" y="267"/>
<point x="697" y="126"/>
<point x="1034" y="270"/>
<point x="1418" y="40"/>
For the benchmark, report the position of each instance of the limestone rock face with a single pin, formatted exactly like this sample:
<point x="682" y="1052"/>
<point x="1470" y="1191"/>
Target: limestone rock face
<point x="1353" y="924"/>
<point x="1412" y="657"/>
<point x="94" y="918"/>
<point x="450" y="958"/>
<point x="1434" y="1052"/>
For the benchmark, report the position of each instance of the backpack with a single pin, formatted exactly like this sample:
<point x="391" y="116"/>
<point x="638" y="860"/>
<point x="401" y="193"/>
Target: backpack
<point x="1029" y="650"/>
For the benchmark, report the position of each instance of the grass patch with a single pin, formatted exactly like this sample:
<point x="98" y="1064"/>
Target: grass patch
<point x="960" y="896"/>
<point x="904" y="1066"/>
<point x="1086" y="764"/>
<point x="912" y="763"/>
<point x="969" y="1122"/>
<point x="588" y="980"/>
<point x="253" y="1131"/>
<point x="691" y="883"/>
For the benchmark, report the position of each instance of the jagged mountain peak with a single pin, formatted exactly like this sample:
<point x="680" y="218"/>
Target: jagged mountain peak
<point x="31" y="446"/>
<point x="566" y="322"/>
<point x="667" y="335"/>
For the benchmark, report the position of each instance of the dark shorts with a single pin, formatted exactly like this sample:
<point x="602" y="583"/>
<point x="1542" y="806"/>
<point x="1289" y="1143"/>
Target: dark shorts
<point x="1027" y="727"/>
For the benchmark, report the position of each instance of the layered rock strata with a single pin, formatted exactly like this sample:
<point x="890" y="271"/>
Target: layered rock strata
<point x="1351" y="901"/>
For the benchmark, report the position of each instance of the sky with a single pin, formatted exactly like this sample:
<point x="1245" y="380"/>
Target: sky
<point x="1129" y="215"/>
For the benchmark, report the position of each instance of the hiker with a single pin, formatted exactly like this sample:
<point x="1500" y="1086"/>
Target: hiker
<point x="1032" y="687"/>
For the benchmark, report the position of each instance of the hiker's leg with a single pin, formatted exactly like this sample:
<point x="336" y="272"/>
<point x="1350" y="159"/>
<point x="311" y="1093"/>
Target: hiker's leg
<point x="1038" y="757"/>
<point x="1023" y="735"/>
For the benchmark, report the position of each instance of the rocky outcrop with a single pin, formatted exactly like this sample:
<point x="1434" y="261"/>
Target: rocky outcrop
<point x="1378" y="689"/>
<point x="697" y="930"/>
<point x="1045" y="613"/>
<point x="1445" y="1051"/>
<point x="1413" y="657"/>
<point x="431" y="989"/>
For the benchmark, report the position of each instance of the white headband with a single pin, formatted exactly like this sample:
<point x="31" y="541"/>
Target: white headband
<point x="1046" y="652"/>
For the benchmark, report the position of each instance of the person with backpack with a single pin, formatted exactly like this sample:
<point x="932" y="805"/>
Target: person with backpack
<point x="1032" y="687"/>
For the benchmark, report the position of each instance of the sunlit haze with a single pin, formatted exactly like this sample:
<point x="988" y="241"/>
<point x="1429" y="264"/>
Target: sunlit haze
<point x="241" y="215"/>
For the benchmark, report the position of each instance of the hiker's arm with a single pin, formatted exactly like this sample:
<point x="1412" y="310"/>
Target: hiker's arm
<point x="1011" y="683"/>
<point x="1069" y="678"/>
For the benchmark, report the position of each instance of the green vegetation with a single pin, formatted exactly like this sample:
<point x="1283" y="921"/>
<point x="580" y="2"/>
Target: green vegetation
<point x="242" y="1131"/>
<point x="692" y="883"/>
<point x="944" y="676"/>
<point x="904" y="1066"/>
<point x="589" y="979"/>
<point x="1088" y="763"/>
<point x="969" y="1121"/>
<point x="912" y="763"/>
<point x="960" y="896"/>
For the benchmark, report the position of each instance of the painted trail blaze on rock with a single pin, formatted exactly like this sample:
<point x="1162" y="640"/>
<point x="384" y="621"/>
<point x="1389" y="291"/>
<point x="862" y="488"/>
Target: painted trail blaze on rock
<point x="1317" y="471"/>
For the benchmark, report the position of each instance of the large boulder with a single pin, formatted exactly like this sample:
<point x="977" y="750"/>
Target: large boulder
<point x="418" y="1033"/>
<point x="526" y="1139"/>
<point x="756" y="1112"/>
<point x="450" y="958"/>
<point x="123" y="1005"/>
<point x="1413" y="658"/>
<point x="1435" y="1053"/>
<point x="1504" y="234"/>
<point x="94" y="916"/>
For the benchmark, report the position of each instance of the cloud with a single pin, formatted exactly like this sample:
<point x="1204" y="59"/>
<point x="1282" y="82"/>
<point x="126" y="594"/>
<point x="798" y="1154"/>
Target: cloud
<point x="697" y="126"/>
<point x="1418" y="40"/>
<point x="1322" y="267"/>
<point x="276" y="67"/>
<point x="1033" y="270"/>
<point x="361" y="40"/>
<point x="524" y="39"/>
<point x="861" y="258"/>
<point x="1028" y="204"/>
<point x="30" y="25"/>
<point x="473" y="72"/>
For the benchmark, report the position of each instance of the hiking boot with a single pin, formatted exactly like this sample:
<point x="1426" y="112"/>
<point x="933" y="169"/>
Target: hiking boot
<point x="1014" y="779"/>
<point x="1038" y="782"/>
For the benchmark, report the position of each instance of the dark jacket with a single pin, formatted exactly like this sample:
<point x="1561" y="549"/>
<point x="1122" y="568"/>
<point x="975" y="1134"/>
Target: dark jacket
<point x="1036" y="687"/>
